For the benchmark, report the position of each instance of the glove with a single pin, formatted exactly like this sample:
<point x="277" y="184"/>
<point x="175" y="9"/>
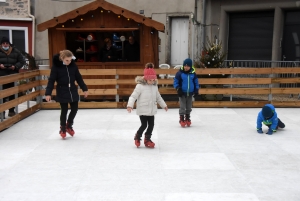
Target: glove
<point x="179" y="92"/>
<point x="270" y="132"/>
<point x="196" y="93"/>
<point x="259" y="131"/>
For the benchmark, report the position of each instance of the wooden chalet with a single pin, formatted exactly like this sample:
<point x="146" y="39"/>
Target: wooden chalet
<point x="101" y="19"/>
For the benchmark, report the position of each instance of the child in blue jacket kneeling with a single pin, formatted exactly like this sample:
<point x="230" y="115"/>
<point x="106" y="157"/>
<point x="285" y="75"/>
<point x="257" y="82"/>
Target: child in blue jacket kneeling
<point x="268" y="116"/>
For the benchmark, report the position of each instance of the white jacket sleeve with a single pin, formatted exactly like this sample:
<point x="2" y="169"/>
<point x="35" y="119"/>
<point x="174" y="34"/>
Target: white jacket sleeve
<point x="135" y="94"/>
<point x="160" y="100"/>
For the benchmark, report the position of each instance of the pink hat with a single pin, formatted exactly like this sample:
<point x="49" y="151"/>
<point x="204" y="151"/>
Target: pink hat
<point x="149" y="74"/>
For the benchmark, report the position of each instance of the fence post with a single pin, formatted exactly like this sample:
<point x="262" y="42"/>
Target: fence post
<point x="117" y="87"/>
<point x="16" y="96"/>
<point x="1" y="101"/>
<point x="27" y="92"/>
<point x="231" y="87"/>
<point x="270" y="97"/>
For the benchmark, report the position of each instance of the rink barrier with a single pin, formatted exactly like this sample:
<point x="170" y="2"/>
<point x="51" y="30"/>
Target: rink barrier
<point x="32" y="86"/>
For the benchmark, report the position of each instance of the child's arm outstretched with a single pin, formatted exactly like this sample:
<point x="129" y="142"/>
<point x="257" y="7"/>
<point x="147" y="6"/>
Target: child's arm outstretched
<point x="135" y="94"/>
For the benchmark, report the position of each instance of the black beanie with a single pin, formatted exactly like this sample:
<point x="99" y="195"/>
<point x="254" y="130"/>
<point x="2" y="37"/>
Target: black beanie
<point x="5" y="39"/>
<point x="188" y="62"/>
<point x="267" y="112"/>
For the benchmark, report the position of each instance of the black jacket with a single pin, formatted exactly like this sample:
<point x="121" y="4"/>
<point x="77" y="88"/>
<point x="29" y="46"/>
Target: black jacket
<point x="65" y="76"/>
<point x="14" y="58"/>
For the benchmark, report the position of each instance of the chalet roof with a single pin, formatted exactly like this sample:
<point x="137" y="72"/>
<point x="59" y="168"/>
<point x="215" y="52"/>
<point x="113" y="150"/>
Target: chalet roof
<point x="105" y="5"/>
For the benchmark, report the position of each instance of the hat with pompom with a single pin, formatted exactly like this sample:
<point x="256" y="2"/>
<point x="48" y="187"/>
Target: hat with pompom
<point x="149" y="74"/>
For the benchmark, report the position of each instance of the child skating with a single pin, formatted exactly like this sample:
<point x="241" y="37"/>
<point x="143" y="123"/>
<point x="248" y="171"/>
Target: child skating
<point x="147" y="95"/>
<point x="268" y="116"/>
<point x="187" y="86"/>
<point x="65" y="72"/>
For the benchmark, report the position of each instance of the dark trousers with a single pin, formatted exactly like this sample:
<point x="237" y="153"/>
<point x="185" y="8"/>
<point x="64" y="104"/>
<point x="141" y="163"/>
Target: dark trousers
<point x="280" y="124"/>
<point x="64" y="111"/>
<point x="12" y="97"/>
<point x="185" y="105"/>
<point x="146" y="120"/>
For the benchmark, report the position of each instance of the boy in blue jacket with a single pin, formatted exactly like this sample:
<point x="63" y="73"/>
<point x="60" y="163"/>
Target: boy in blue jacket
<point x="268" y="116"/>
<point x="187" y="86"/>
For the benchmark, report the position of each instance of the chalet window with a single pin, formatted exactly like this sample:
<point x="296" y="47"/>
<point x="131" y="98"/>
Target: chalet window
<point x="17" y="36"/>
<point x="92" y="46"/>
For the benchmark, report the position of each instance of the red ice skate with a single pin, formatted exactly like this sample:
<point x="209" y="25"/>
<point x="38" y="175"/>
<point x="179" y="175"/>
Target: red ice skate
<point x="62" y="132"/>
<point x="181" y="121"/>
<point x="137" y="140"/>
<point x="70" y="130"/>
<point x="188" y="120"/>
<point x="147" y="141"/>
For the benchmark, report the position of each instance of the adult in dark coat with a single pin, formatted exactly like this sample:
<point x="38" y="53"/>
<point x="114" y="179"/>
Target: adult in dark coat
<point x="65" y="72"/>
<point x="108" y="52"/>
<point x="11" y="61"/>
<point x="132" y="50"/>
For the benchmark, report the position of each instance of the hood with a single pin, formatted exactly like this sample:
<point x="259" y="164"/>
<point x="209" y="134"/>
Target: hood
<point x="141" y="80"/>
<point x="58" y="62"/>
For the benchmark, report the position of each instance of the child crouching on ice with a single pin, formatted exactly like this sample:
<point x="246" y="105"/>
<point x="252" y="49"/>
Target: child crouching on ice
<point x="268" y="116"/>
<point x="147" y="95"/>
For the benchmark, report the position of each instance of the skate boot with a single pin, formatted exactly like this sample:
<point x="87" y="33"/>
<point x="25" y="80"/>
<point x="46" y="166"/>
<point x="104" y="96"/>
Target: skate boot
<point x="280" y="124"/>
<point x="181" y="121"/>
<point x="188" y="120"/>
<point x="147" y="141"/>
<point x="70" y="130"/>
<point x="62" y="132"/>
<point x="137" y="140"/>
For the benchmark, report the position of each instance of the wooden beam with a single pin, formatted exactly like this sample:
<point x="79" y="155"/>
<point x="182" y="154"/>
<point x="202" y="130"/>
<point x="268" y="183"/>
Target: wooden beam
<point x="19" y="100"/>
<point x="96" y="29"/>
<point x="17" y="89"/>
<point x="18" y="117"/>
<point x="285" y="90"/>
<point x="18" y="76"/>
<point x="233" y="104"/>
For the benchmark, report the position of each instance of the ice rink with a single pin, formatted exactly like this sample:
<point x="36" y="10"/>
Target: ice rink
<point x="219" y="158"/>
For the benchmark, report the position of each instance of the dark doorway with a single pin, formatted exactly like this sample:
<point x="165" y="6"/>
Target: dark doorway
<point x="291" y="36"/>
<point x="250" y="35"/>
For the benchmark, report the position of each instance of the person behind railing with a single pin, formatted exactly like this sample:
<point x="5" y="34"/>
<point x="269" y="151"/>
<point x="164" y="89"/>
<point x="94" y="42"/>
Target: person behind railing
<point x="132" y="50"/>
<point x="65" y="72"/>
<point x="108" y="52"/>
<point x="268" y="116"/>
<point x="11" y="61"/>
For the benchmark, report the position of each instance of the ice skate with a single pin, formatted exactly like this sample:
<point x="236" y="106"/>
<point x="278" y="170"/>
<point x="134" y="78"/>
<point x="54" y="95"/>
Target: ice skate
<point x="147" y="141"/>
<point x="62" y="132"/>
<point x="181" y="121"/>
<point x="70" y="130"/>
<point x="137" y="140"/>
<point x="188" y="120"/>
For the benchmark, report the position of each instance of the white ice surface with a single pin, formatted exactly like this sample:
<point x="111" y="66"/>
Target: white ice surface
<point x="219" y="158"/>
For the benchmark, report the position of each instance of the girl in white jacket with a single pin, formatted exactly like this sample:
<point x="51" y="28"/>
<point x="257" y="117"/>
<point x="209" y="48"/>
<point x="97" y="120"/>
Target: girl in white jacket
<point x="147" y="95"/>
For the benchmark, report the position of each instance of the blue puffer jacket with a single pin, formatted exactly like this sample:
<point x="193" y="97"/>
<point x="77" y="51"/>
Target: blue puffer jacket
<point x="273" y="122"/>
<point x="187" y="81"/>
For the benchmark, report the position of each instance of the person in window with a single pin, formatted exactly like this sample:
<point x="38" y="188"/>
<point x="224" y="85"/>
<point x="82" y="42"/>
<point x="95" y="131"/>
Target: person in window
<point x="11" y="61"/>
<point x="132" y="50"/>
<point x="108" y="52"/>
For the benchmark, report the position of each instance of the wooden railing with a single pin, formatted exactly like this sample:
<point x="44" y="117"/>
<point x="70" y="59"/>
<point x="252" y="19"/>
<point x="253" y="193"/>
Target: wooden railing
<point x="116" y="84"/>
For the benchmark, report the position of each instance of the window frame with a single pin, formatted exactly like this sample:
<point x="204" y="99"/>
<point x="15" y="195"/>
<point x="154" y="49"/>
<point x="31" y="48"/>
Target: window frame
<point x="13" y="28"/>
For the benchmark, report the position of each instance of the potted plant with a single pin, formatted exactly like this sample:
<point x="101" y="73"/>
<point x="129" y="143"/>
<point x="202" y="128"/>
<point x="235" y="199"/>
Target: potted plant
<point x="212" y="56"/>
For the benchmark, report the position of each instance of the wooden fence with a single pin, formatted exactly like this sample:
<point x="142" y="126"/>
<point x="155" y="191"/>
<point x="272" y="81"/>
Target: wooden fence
<point x="114" y="85"/>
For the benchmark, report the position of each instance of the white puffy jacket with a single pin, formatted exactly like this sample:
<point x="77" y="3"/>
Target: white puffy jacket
<point x="147" y="97"/>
